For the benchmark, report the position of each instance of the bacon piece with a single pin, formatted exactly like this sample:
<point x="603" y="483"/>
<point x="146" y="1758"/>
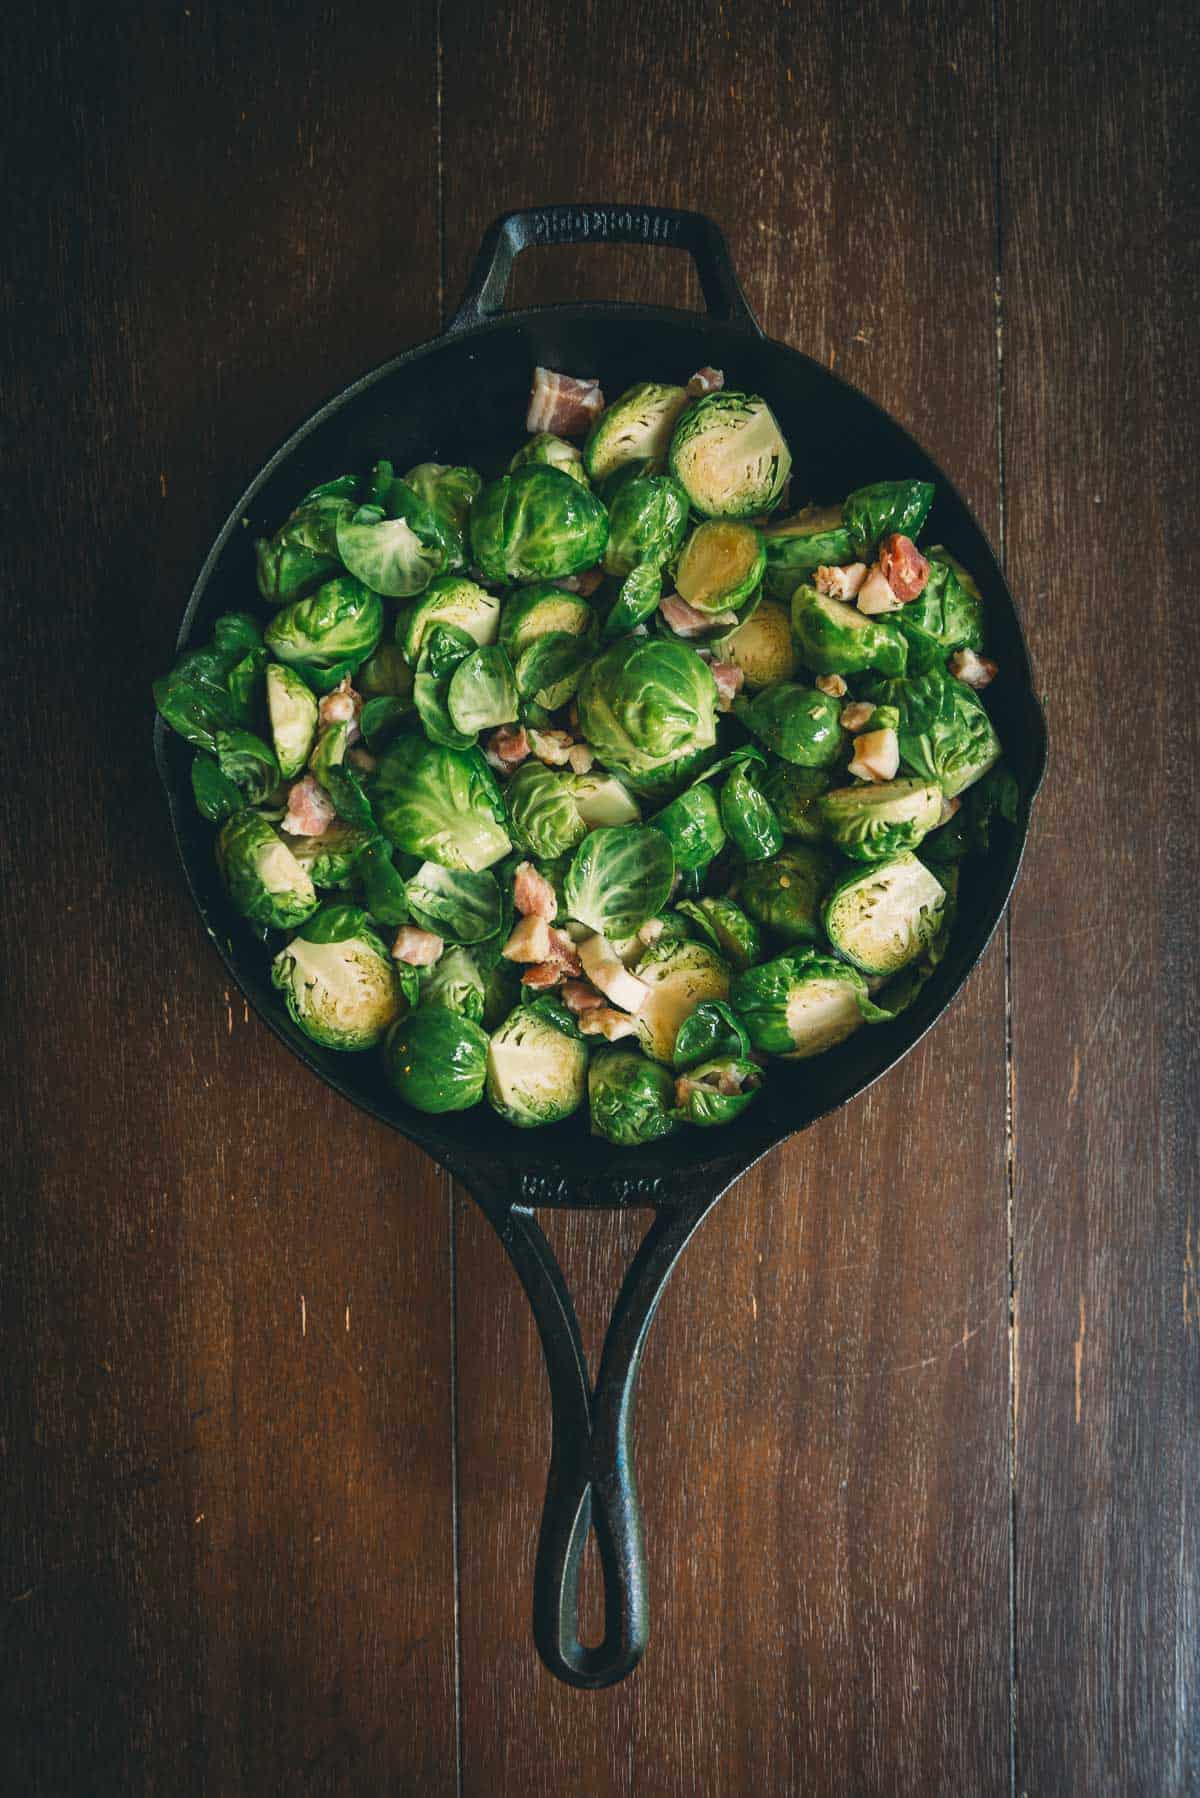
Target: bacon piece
<point x="876" y="595"/>
<point x="833" y="684"/>
<point x="562" y="404"/>
<point x="729" y="678"/>
<point x="543" y="976"/>
<point x="686" y="621"/>
<point x="580" y="758"/>
<point x="363" y="759"/>
<point x="578" y="996"/>
<point x="310" y="810"/>
<point x="553" y="747"/>
<point x="530" y="941"/>
<point x="857" y="716"/>
<point x="840" y="583"/>
<point x="903" y="566"/>
<point x="975" y="670"/>
<point x="683" y="1090"/>
<point x="584" y="584"/>
<point x="563" y="953"/>
<point x="949" y="807"/>
<point x="604" y="1021"/>
<point x="419" y="948"/>
<point x="650" y="931"/>
<point x="706" y="380"/>
<point x="533" y="895"/>
<point x="506" y="748"/>
<point x="876" y="755"/>
<point x="342" y="706"/>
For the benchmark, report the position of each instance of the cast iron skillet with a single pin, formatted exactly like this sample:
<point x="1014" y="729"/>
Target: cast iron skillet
<point x="462" y="398"/>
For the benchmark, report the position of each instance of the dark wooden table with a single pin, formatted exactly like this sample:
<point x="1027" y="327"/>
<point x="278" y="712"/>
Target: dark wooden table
<point x="274" y="1427"/>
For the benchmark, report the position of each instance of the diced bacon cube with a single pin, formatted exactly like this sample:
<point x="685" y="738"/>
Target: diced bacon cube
<point x="533" y="894"/>
<point x="857" y="716"/>
<point x="840" y="583"/>
<point x="530" y="941"/>
<point x="903" y="566"/>
<point x="584" y="584"/>
<point x="310" y="810"/>
<point x="876" y="755"/>
<point x="580" y="758"/>
<point x="686" y="621"/>
<point x="729" y="678"/>
<point x="563" y="952"/>
<point x="578" y="997"/>
<point x="706" y="380"/>
<point x="833" y="684"/>
<point x="683" y="1090"/>
<point x="975" y="670"/>
<point x="419" y="948"/>
<point x="543" y="977"/>
<point x="606" y="1022"/>
<point x="561" y="404"/>
<point x="553" y="747"/>
<point x="507" y="748"/>
<point x="876" y="595"/>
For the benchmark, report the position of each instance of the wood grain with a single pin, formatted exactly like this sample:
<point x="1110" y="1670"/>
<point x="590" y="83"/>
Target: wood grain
<point x="1100" y="430"/>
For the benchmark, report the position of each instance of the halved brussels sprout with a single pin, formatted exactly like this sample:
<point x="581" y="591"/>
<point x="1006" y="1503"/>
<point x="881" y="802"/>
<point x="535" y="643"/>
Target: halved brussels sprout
<point x="680" y="976"/>
<point x="793" y="793"/>
<point x="536" y="525"/>
<point x="726" y="926"/>
<point x="549" y="670"/>
<point x="944" y="732"/>
<point x="455" y="983"/>
<point x="883" y="917"/>
<point x="536" y="1065"/>
<point x="444" y="648"/>
<point x="482" y="691"/>
<point x="602" y="799"/>
<point x="303" y="551"/>
<point x="749" y="819"/>
<point x="946" y="615"/>
<point x="635" y="428"/>
<point x="292" y="709"/>
<point x="728" y="454"/>
<point x="872" y="513"/>
<point x="631" y="1100"/>
<point x="552" y="452"/>
<point x="542" y="610"/>
<point x="331" y="859"/>
<point x="784" y="894"/>
<point x="871" y="822"/>
<point x="796" y="546"/>
<point x="801" y="1004"/>
<point x="647" y="517"/>
<point x="449" y="494"/>
<point x="692" y="825"/>
<point x="646" y="702"/>
<point x="451" y="600"/>
<point x="761" y="646"/>
<point x="800" y="724"/>
<point x="834" y="638"/>
<point x="437" y="1059"/>
<point x="619" y="876"/>
<point x="721" y="565"/>
<point x="439" y="803"/>
<point x="338" y="627"/>
<point x="717" y="1091"/>
<point x="338" y="980"/>
<point x="263" y="878"/>
<point x="544" y="816"/>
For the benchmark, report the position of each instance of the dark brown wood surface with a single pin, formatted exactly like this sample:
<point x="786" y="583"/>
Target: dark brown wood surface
<point x="917" y="1426"/>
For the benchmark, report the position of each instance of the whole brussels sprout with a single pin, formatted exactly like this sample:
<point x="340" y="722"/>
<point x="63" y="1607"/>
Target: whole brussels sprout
<point x="800" y="724"/>
<point x="871" y="822"/>
<point x="439" y="803"/>
<point x="884" y="916"/>
<point x="692" y="825"/>
<point x="726" y="926"/>
<point x="637" y="427"/>
<point x="645" y="702"/>
<point x="721" y="565"/>
<point x="834" y="638"/>
<point x="536" y="1065"/>
<point x="713" y="1030"/>
<point x="728" y="454"/>
<point x="386" y="675"/>
<point x="454" y="982"/>
<point x="551" y="452"/>
<point x="647" y="518"/>
<point x="263" y="878"/>
<point x="945" y="734"/>
<point x="543" y="816"/>
<point x="717" y="1091"/>
<point x="454" y="601"/>
<point x="801" y="1004"/>
<point x="872" y="513"/>
<point x="946" y="615"/>
<point x="631" y="1100"/>
<point x="536" y="525"/>
<point x="339" y="982"/>
<point x="436" y="1059"/>
<point x="303" y="552"/>
<point x="200" y="696"/>
<point x="249" y="763"/>
<point x="796" y="546"/>
<point x="449" y="494"/>
<point x="338" y="627"/>
<point x="680" y="976"/>
<point x="292" y="709"/>
<point x="749" y="819"/>
<point x="761" y="646"/>
<point x="784" y="894"/>
<point x="793" y="793"/>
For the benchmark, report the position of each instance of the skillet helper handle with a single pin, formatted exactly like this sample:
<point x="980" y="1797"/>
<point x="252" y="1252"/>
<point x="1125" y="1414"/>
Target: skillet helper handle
<point x="513" y="232"/>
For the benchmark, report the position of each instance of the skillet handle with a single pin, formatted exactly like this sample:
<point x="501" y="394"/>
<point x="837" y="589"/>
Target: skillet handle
<point x="513" y="232"/>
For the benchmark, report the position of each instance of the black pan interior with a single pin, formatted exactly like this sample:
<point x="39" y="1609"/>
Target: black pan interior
<point x="462" y="399"/>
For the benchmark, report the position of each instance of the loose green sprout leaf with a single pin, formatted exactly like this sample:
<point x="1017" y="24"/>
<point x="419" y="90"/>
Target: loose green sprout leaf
<point x="245" y="681"/>
<point x="882" y="917"/>
<point x="544" y="818"/>
<point x="482" y="691"/>
<point x="637" y="427"/>
<point x="552" y="452"/>
<point x="441" y="804"/>
<point x="875" y="512"/>
<point x="680" y="975"/>
<point x="784" y="894"/>
<point x="216" y="796"/>
<point x="338" y="980"/>
<point x="303" y="552"/>
<point x="793" y="793"/>
<point x="537" y="1065"/>
<point x="647" y="518"/>
<point x="749" y="819"/>
<point x="444" y="649"/>
<point x="292" y="710"/>
<point x="645" y="702"/>
<point x="721" y="565"/>
<point x="944" y="732"/>
<point x="711" y="1031"/>
<point x="618" y="877"/>
<point x="835" y="638"/>
<point x="801" y="1004"/>
<point x="263" y="878"/>
<point x="726" y="926"/>
<point x="797" y="546"/>
<point x="344" y="786"/>
<point x="718" y="1090"/>
<point x="246" y="760"/>
<point x="636" y="600"/>
<point x="457" y="905"/>
<point x="870" y="823"/>
<point x="761" y="646"/>
<point x="383" y="887"/>
<point x="381" y="719"/>
<point x="631" y="1100"/>
<point x="449" y="494"/>
<point x="692" y="825"/>
<point x="437" y="1059"/>
<point x="450" y="601"/>
<point x="337" y="628"/>
<point x="330" y="752"/>
<point x="455" y="983"/>
<point x="386" y="554"/>
<point x="195" y="698"/>
<point x="535" y="525"/>
<point x="728" y="454"/>
<point x="800" y="724"/>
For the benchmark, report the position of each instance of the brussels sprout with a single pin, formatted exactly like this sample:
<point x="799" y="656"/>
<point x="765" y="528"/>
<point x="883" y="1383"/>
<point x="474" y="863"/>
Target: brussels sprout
<point x="482" y="691"/>
<point x="882" y="917"/>
<point x="544" y="818"/>
<point x="637" y="427"/>
<point x="330" y="753"/>
<point x="728" y="454"/>
<point x="721" y="565"/>
<point x="619" y="876"/>
<point x="602" y="799"/>
<point x="303" y="552"/>
<point x="647" y="518"/>
<point x="449" y="493"/>
<point x="945" y="734"/>
<point x="382" y="885"/>
<point x="461" y="906"/>
<point x="455" y="983"/>
<point x="872" y="513"/>
<point x="245" y="680"/>
<point x="871" y="823"/>
<point x="437" y="1059"/>
<point x="536" y="525"/>
<point x="216" y="796"/>
<point x="658" y="785"/>
<point x="550" y="669"/>
<point x="263" y="878"/>
<point x="450" y="600"/>
<point x="338" y="980"/>
<point x="387" y="554"/>
<point x="680" y="976"/>
<point x="331" y="859"/>
<point x="196" y="698"/>
<point x="761" y="646"/>
<point x="536" y="1065"/>
<point x="946" y="615"/>
<point x="798" y="545"/>
<point x="692" y="825"/>
<point x="631" y="1100"/>
<point x="445" y="647"/>
<point x="716" y="1091"/>
<point x="337" y="628"/>
<point x="749" y="819"/>
<point x="645" y="702"/>
<point x="726" y="926"/>
<point x="249" y="763"/>
<point x="292" y="710"/>
<point x="542" y="610"/>
<point x="553" y="452"/>
<point x="801" y="1004"/>
<point x="800" y="724"/>
<point x="834" y="638"/>
<point x="793" y="791"/>
<point x="441" y="804"/>
<point x="381" y="719"/>
<point x="784" y="894"/>
<point x="711" y="1031"/>
<point x="636" y="599"/>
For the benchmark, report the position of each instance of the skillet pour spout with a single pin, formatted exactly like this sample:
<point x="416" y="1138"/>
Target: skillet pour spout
<point x="459" y="399"/>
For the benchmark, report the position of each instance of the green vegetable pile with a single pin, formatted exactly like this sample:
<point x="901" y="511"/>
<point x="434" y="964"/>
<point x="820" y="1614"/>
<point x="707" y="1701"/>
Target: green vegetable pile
<point x="604" y="781"/>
